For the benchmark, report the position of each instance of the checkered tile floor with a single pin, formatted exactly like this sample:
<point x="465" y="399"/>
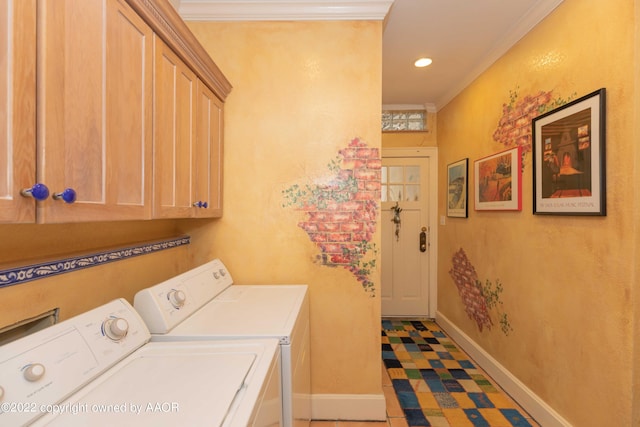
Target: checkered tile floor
<point x="438" y="385"/>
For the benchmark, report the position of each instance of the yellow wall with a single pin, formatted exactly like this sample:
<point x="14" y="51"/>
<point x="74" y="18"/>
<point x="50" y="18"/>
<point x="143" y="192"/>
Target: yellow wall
<point x="79" y="291"/>
<point x="569" y="282"/>
<point x="302" y="91"/>
<point x="635" y="232"/>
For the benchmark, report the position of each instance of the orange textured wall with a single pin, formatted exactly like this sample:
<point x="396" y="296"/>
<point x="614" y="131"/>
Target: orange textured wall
<point x="569" y="282"/>
<point x="302" y="91"/>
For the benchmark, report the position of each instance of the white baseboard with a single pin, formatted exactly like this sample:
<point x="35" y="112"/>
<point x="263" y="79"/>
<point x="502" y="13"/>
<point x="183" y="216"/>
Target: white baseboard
<point x="530" y="402"/>
<point x="353" y="407"/>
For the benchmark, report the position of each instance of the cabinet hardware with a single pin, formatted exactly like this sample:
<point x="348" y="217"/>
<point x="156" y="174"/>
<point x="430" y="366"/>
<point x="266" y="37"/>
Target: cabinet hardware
<point x="68" y="195"/>
<point x="38" y="191"/>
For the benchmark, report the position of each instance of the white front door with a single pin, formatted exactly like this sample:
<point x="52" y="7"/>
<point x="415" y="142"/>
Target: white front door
<point x="409" y="210"/>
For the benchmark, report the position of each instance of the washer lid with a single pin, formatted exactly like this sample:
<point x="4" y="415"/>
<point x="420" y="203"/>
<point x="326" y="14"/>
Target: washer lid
<point x="161" y="390"/>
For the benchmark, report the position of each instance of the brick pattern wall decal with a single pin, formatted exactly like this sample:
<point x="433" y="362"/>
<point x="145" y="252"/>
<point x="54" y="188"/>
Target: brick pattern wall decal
<point x="514" y="126"/>
<point x="342" y="210"/>
<point x="478" y="299"/>
<point x="466" y="279"/>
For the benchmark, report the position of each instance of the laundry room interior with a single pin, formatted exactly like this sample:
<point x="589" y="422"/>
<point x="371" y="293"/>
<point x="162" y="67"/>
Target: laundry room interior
<point x="303" y="145"/>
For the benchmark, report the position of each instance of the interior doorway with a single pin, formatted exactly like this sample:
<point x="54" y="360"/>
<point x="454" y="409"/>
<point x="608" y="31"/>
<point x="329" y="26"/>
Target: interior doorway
<point x="409" y="232"/>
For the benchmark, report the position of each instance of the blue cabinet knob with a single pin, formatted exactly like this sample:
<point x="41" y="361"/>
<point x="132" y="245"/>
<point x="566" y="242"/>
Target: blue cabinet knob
<point x="201" y="204"/>
<point x="68" y="195"/>
<point x="38" y="191"/>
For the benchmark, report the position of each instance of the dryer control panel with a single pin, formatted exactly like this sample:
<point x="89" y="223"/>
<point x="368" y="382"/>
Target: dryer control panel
<point x="167" y="304"/>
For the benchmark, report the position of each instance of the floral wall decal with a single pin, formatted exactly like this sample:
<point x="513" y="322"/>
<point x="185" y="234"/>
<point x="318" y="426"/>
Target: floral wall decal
<point x="342" y="210"/>
<point x="477" y="298"/>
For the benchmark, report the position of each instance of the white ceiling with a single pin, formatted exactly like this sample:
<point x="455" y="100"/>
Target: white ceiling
<point x="463" y="37"/>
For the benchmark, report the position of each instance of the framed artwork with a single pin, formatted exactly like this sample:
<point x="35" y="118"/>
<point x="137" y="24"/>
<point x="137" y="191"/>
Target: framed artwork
<point x="569" y="158"/>
<point x="498" y="181"/>
<point x="457" y="192"/>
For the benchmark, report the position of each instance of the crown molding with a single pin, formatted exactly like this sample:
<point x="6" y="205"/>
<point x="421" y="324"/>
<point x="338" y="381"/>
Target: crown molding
<point x="428" y="107"/>
<point x="520" y="29"/>
<point x="169" y="26"/>
<point x="282" y="10"/>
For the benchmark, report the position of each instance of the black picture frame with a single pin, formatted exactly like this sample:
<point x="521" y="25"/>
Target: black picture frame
<point x="569" y="161"/>
<point x="458" y="189"/>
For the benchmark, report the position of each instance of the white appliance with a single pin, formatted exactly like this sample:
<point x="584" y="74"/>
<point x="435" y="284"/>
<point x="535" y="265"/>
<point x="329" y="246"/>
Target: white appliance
<point x="204" y="304"/>
<point x="100" y="369"/>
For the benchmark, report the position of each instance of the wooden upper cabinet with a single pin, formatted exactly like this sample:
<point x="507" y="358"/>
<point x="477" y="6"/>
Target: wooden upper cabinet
<point x="173" y="134"/>
<point x="208" y="166"/>
<point x="94" y="110"/>
<point x="187" y="141"/>
<point x="206" y="143"/>
<point x="77" y="112"/>
<point x="17" y="108"/>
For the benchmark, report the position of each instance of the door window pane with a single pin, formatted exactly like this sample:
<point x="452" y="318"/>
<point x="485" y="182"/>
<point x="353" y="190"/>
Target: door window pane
<point x="396" y="174"/>
<point x="395" y="193"/>
<point x="412" y="174"/>
<point x="412" y="193"/>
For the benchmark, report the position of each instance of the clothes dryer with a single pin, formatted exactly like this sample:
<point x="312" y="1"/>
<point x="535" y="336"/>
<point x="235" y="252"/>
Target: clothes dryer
<point x="205" y="304"/>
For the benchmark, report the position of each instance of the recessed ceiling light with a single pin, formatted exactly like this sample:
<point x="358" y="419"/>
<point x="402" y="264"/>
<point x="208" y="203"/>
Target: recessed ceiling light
<point x="422" y="62"/>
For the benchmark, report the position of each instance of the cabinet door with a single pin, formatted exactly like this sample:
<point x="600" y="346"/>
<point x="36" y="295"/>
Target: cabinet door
<point x="208" y="153"/>
<point x="17" y="108"/>
<point x="94" y="110"/>
<point x="173" y="134"/>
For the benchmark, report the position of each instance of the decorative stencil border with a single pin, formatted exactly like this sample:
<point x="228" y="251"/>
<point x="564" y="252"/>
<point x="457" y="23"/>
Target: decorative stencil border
<point x="28" y="273"/>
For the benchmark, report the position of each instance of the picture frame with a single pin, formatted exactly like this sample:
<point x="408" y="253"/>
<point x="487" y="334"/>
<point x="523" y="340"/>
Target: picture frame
<point x="569" y="158"/>
<point x="458" y="189"/>
<point x="498" y="181"/>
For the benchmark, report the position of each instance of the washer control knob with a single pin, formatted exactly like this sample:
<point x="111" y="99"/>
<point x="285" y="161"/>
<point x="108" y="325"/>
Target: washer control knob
<point x="222" y="272"/>
<point x="33" y="372"/>
<point x="115" y="328"/>
<point x="177" y="298"/>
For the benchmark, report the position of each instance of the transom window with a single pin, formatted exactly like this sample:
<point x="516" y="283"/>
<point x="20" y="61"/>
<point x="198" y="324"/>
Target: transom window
<point x="404" y="120"/>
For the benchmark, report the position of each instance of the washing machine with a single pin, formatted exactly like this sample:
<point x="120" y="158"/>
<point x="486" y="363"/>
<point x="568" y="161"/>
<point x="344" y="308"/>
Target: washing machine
<point x="100" y="369"/>
<point x="205" y="304"/>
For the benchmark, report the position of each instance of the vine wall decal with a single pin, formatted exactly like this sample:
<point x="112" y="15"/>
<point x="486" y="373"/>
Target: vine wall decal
<point x="478" y="299"/>
<point x="514" y="126"/>
<point x="341" y="212"/>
